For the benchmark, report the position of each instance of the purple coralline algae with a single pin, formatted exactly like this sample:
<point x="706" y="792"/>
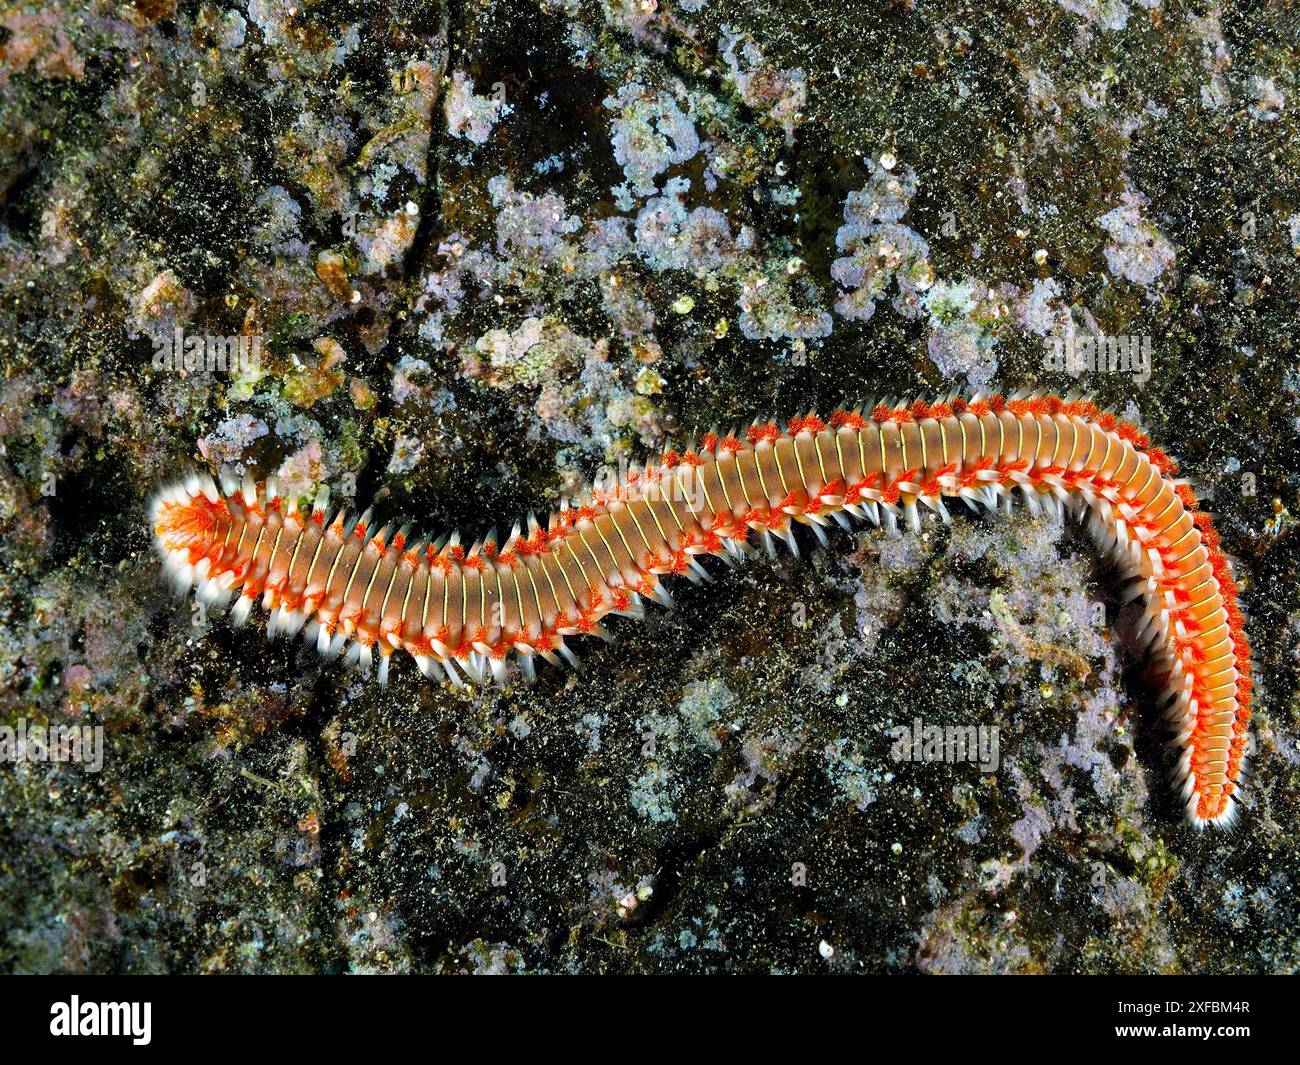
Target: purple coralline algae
<point x="1110" y="15"/>
<point x="1270" y="101"/>
<point x="649" y="133"/>
<point x="780" y="95"/>
<point x="529" y="227"/>
<point x="962" y="317"/>
<point x="671" y="238"/>
<point x="880" y="251"/>
<point x="228" y="444"/>
<point x="469" y="115"/>
<point x="1137" y="251"/>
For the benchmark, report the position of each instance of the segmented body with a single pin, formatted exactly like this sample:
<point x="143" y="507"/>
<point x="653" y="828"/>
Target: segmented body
<point x="473" y="610"/>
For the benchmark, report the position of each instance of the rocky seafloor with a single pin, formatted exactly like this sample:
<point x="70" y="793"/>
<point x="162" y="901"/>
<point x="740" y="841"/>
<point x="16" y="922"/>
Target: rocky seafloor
<point x="484" y="250"/>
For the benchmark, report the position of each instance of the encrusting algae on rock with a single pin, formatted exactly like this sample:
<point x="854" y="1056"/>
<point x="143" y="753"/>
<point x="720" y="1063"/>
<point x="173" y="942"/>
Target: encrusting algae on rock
<point x="486" y="250"/>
